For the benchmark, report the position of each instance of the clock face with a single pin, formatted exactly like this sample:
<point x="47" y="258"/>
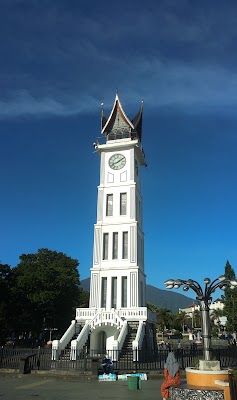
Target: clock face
<point x="117" y="161"/>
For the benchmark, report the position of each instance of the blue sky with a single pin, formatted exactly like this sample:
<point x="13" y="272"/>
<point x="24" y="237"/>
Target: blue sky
<point x="59" y="60"/>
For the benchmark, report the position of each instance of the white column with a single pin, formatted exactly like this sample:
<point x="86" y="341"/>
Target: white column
<point x="108" y="299"/>
<point x="119" y="292"/>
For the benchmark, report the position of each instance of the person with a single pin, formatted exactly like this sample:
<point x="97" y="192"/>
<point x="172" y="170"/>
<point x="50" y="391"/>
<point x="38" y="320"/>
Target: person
<point x="107" y="365"/>
<point x="172" y="375"/>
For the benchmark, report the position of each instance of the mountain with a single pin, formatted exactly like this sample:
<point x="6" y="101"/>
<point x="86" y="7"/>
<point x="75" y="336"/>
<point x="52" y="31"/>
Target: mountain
<point x="167" y="299"/>
<point x="161" y="298"/>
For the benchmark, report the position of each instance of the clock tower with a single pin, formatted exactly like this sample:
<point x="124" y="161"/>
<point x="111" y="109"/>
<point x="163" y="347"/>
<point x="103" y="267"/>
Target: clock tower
<point x="117" y="287"/>
<point x="117" y="276"/>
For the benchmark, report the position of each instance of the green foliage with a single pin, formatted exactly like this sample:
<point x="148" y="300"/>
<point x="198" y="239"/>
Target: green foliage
<point x="4" y="301"/>
<point x="179" y="321"/>
<point x="214" y="331"/>
<point x="197" y="319"/>
<point x="216" y="314"/>
<point x="230" y="300"/>
<point x="196" y="363"/>
<point x="152" y="307"/>
<point x="164" y="318"/>
<point x="234" y="373"/>
<point x="84" y="298"/>
<point x="215" y="318"/>
<point x="229" y="272"/>
<point x="45" y="291"/>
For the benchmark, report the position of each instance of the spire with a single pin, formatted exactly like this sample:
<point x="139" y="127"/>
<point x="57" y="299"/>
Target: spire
<point x="137" y="121"/>
<point x="103" y="117"/>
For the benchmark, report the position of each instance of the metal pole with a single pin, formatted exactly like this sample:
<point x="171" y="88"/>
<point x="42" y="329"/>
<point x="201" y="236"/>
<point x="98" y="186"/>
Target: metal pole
<point x="206" y="329"/>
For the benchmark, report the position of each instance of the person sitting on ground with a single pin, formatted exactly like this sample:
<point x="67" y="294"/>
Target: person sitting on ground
<point x="172" y="375"/>
<point x="107" y="365"/>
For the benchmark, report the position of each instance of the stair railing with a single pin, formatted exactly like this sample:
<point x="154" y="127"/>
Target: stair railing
<point x="137" y="343"/>
<point x="106" y="317"/>
<point x="80" y="341"/>
<point x="118" y="344"/>
<point x="59" y="345"/>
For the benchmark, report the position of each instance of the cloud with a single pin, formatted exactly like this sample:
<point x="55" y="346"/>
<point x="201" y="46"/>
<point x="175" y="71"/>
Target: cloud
<point x="24" y="104"/>
<point x="190" y="89"/>
<point x="63" y="59"/>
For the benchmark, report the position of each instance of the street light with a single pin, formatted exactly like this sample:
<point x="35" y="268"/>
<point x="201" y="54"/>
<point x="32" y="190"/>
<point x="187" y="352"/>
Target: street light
<point x="50" y="332"/>
<point x="205" y="298"/>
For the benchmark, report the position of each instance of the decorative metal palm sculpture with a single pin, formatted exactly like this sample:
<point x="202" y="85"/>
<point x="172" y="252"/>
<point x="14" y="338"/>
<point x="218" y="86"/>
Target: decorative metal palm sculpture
<point x="205" y="298"/>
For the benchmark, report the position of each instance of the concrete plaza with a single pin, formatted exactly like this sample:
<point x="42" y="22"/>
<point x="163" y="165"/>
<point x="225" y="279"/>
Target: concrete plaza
<point x="28" y="387"/>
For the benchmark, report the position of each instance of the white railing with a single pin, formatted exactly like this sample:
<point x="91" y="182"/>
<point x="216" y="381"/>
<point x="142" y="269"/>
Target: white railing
<point x="133" y="313"/>
<point x="137" y="343"/>
<point x="138" y="313"/>
<point x="80" y="341"/>
<point x="84" y="314"/>
<point x="118" y="344"/>
<point x="59" y="345"/>
<point x="106" y="317"/>
<point x="122" y="335"/>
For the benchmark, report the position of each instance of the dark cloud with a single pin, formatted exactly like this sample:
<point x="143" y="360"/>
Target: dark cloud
<point x="57" y="53"/>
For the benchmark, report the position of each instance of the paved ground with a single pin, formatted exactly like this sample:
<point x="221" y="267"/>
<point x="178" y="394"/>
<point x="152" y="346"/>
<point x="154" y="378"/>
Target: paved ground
<point x="28" y="387"/>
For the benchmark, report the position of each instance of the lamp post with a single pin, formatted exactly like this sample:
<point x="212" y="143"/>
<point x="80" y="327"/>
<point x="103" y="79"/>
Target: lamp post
<point x="50" y="332"/>
<point x="204" y="296"/>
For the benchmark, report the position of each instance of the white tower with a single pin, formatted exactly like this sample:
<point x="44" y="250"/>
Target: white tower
<point x="117" y="276"/>
<point x="117" y="308"/>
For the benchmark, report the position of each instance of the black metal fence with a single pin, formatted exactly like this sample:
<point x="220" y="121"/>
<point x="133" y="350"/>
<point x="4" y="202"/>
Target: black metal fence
<point x="141" y="360"/>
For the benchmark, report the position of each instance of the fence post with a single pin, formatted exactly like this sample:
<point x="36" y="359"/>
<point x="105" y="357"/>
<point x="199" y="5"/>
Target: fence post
<point x="85" y="361"/>
<point x="1" y="356"/>
<point x="38" y="358"/>
<point x="182" y="359"/>
<point x="94" y="367"/>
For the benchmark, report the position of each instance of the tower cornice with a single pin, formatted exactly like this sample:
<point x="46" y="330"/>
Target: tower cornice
<point x="123" y="144"/>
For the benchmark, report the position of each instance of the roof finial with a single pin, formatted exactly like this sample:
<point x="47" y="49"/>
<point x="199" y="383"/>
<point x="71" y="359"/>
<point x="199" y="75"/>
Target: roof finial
<point x="102" y="116"/>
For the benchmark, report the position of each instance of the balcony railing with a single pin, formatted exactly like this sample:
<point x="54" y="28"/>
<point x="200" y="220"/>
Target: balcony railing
<point x="130" y="314"/>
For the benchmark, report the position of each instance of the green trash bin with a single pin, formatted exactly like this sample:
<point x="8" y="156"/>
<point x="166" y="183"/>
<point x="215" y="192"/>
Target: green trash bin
<point x="133" y="383"/>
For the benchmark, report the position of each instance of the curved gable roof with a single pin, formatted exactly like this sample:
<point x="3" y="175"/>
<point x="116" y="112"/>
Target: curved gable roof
<point x="117" y="112"/>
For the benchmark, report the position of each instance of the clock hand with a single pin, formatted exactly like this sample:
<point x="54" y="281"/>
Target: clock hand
<point x="117" y="161"/>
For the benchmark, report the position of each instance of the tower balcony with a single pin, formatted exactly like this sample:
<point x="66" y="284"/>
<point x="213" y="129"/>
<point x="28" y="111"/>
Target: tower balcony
<point x="114" y="316"/>
<point x="120" y="136"/>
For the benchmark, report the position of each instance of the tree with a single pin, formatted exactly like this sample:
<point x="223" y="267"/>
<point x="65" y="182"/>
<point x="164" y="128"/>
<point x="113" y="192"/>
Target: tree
<point x="181" y="318"/>
<point x="152" y="307"/>
<point x="84" y="298"/>
<point x="45" y="287"/>
<point x="165" y="318"/>
<point x="4" y="302"/>
<point x="230" y="300"/>
<point x="215" y="316"/>
<point x="196" y="319"/>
